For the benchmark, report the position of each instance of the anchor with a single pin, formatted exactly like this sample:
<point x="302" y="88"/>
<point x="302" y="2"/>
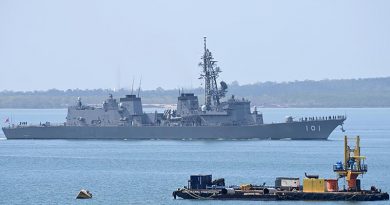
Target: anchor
<point x="342" y="128"/>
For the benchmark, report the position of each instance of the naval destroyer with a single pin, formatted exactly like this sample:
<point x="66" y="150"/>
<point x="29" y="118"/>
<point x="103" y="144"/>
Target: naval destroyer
<point x="213" y="119"/>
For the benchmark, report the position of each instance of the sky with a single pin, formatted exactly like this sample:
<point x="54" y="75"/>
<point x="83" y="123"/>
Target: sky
<point x="90" y="44"/>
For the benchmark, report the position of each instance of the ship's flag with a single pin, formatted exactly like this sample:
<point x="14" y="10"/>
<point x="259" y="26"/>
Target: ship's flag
<point x="6" y="120"/>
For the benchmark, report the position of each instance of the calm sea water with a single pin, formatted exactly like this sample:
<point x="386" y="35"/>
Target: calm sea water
<point x="146" y="172"/>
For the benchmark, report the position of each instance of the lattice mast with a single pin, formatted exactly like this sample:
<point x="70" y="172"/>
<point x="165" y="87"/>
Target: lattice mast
<point x="210" y="74"/>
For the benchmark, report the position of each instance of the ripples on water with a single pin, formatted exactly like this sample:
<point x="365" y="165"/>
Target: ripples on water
<point x="146" y="172"/>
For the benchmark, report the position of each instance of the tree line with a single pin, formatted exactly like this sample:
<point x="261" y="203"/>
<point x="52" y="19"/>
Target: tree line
<point x="368" y="92"/>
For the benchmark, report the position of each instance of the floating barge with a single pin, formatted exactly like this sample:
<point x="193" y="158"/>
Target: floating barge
<point x="287" y="188"/>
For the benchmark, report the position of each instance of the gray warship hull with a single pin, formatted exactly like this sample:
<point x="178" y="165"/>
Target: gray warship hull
<point x="297" y="130"/>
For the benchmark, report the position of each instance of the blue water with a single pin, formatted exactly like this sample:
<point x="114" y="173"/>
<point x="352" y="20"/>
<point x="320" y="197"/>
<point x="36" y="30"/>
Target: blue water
<point x="146" y="172"/>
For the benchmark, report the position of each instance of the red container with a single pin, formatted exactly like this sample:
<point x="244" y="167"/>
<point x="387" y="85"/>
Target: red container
<point x="332" y="185"/>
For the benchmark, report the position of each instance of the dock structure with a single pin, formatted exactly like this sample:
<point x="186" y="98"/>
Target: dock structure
<point x="314" y="188"/>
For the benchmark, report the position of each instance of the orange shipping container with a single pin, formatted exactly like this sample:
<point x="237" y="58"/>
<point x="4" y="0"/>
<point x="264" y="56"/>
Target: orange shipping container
<point x="332" y="185"/>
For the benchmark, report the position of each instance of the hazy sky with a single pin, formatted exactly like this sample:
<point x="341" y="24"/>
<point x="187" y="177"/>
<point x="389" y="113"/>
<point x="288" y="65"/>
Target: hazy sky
<point x="89" y="43"/>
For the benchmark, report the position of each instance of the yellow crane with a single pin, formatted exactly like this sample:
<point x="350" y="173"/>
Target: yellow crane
<point x="353" y="165"/>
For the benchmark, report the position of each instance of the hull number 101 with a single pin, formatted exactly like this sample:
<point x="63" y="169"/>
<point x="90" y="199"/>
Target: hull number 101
<point x="313" y="128"/>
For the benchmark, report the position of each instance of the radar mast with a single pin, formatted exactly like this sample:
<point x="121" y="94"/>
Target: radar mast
<point x="210" y="73"/>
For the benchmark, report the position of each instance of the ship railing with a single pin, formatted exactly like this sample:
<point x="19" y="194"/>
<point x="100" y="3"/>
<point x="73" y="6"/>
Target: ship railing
<point x="322" y="118"/>
<point x="52" y="124"/>
<point x="362" y="168"/>
<point x="37" y="125"/>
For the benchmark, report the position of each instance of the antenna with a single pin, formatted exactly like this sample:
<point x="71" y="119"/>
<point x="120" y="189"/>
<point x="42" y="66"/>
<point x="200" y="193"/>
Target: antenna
<point x="118" y="78"/>
<point x="132" y="86"/>
<point x="204" y="40"/>
<point x="139" y="87"/>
